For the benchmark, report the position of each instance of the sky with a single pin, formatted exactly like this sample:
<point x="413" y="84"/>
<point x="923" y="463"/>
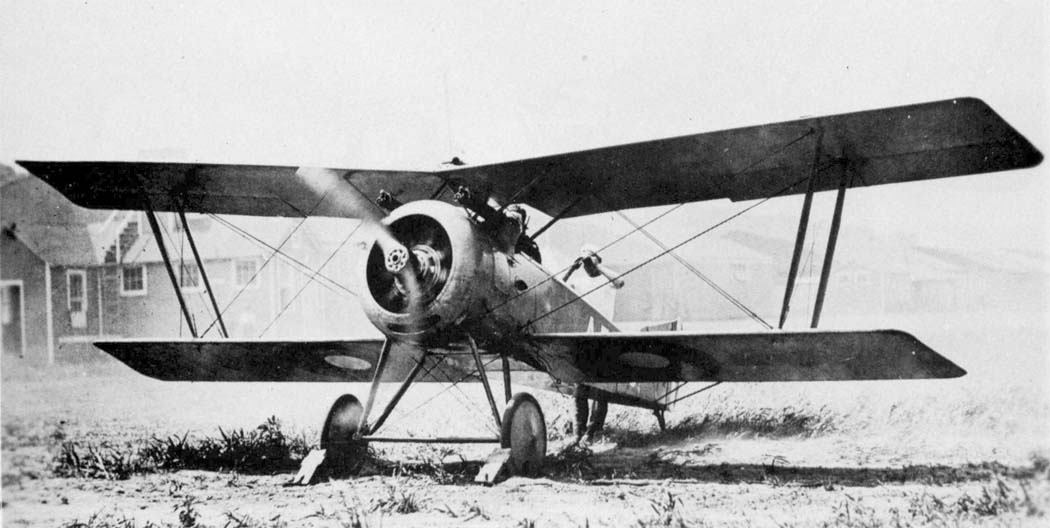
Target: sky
<point x="409" y="85"/>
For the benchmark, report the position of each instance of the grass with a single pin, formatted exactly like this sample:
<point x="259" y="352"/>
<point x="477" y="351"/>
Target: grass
<point x="667" y="510"/>
<point x="185" y="515"/>
<point x="398" y="499"/>
<point x="265" y="449"/>
<point x="994" y="503"/>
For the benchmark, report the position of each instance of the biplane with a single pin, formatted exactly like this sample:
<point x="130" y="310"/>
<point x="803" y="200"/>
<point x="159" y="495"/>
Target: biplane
<point x="453" y="275"/>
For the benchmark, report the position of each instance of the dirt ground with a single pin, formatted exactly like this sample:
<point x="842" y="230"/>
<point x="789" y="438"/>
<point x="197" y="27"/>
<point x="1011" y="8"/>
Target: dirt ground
<point x="970" y="451"/>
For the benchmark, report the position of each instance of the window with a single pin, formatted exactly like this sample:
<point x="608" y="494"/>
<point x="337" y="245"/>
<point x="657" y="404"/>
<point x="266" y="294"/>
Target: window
<point x="191" y="277"/>
<point x="76" y="290"/>
<point x="244" y="271"/>
<point x="7" y="308"/>
<point x="76" y="293"/>
<point x="133" y="280"/>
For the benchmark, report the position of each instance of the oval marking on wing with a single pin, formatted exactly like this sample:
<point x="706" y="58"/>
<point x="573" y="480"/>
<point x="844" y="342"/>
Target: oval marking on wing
<point x="644" y="360"/>
<point x="348" y="362"/>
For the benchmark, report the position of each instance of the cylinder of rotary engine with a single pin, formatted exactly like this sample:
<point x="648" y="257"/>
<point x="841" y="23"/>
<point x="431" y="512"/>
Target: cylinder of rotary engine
<point x="451" y="267"/>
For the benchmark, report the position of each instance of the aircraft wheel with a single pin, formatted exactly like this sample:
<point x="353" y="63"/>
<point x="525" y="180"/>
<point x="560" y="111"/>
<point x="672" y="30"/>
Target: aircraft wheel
<point x="525" y="433"/>
<point x="344" y="453"/>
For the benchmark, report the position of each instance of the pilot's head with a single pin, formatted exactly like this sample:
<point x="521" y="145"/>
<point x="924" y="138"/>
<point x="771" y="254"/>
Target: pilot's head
<point x="517" y="212"/>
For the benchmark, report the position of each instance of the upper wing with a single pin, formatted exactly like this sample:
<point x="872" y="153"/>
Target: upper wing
<point x="891" y="145"/>
<point x="255" y="190"/>
<point x="766" y="356"/>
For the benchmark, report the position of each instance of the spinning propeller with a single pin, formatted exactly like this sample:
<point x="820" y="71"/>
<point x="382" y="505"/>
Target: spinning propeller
<point x="411" y="260"/>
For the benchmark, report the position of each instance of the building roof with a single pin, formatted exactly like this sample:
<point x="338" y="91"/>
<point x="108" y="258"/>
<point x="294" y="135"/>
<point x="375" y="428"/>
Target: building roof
<point x="65" y="245"/>
<point x="46" y="222"/>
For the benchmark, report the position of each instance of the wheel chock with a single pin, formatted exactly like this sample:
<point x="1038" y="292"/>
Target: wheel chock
<point x="308" y="468"/>
<point x="496" y="468"/>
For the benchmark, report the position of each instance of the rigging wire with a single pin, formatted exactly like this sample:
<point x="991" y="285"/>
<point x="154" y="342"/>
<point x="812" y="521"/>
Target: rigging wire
<point x="298" y="265"/>
<point x="465" y="400"/>
<point x="402" y="416"/>
<point x="268" y="258"/>
<point x="662" y="253"/>
<point x="718" y="289"/>
<point x="312" y="278"/>
<point x="553" y="276"/>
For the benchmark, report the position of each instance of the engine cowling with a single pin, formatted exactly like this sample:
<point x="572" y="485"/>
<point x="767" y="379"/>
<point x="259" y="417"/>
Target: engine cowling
<point x="433" y="277"/>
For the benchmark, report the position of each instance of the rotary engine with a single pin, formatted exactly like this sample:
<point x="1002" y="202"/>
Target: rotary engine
<point x="430" y="269"/>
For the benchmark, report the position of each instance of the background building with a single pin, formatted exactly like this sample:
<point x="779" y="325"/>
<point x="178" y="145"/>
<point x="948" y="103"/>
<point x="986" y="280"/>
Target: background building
<point x="72" y="276"/>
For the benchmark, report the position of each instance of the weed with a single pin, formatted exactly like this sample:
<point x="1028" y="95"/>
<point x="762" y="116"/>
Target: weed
<point x="187" y="510"/>
<point x="474" y="510"/>
<point x="430" y="463"/>
<point x="352" y="515"/>
<point x="854" y="514"/>
<point x="574" y="461"/>
<point x="98" y="520"/>
<point x="993" y="502"/>
<point x="95" y="461"/>
<point x="263" y="449"/>
<point x="997" y="500"/>
<point x="398" y="500"/>
<point x="266" y="448"/>
<point x="233" y="520"/>
<point x="666" y="508"/>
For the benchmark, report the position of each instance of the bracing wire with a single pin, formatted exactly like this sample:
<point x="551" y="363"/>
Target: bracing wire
<point x="297" y="265"/>
<point x="268" y="259"/>
<point x="707" y="280"/>
<point x="672" y="209"/>
<point x="662" y="253"/>
<point x="312" y="278"/>
<point x="402" y="416"/>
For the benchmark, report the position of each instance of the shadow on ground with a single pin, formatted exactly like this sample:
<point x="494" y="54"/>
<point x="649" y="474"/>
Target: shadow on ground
<point x="623" y="465"/>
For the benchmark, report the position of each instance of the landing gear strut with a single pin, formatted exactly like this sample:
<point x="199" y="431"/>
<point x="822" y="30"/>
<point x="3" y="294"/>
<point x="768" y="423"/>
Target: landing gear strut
<point x="347" y="431"/>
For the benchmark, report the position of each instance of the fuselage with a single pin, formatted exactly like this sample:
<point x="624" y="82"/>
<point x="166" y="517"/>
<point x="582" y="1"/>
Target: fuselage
<point x="471" y="281"/>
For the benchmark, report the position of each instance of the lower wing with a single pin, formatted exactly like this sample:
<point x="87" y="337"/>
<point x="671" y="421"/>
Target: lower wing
<point x="748" y="357"/>
<point x="255" y="360"/>
<point x="615" y="357"/>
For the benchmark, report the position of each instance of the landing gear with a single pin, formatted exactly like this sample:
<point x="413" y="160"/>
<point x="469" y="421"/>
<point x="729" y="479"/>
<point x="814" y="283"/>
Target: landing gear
<point x="524" y="432"/>
<point x="348" y="429"/>
<point x="340" y="438"/>
<point x="342" y="452"/>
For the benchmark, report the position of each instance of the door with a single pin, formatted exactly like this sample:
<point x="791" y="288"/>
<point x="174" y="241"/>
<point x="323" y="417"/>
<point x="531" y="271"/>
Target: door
<point x="11" y="315"/>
